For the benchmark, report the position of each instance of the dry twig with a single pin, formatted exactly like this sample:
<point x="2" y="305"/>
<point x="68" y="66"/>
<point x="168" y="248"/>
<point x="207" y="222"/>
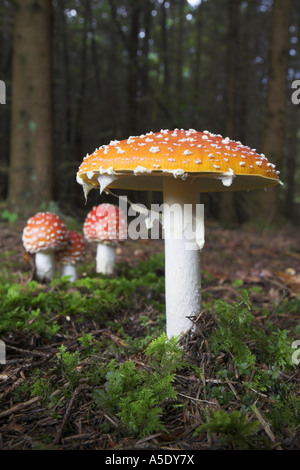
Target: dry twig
<point x="77" y="391"/>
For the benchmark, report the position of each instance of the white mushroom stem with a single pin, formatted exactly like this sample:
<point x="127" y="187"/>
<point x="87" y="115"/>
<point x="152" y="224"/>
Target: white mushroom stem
<point x="69" y="270"/>
<point x="182" y="255"/>
<point x="45" y="265"/>
<point x="105" y="258"/>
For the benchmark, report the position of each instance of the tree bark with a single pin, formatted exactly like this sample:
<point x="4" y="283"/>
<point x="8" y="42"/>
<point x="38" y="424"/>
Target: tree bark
<point x="196" y="66"/>
<point x="165" y="58"/>
<point x="179" y="62"/>
<point x="31" y="164"/>
<point x="144" y="115"/>
<point x="133" y="68"/>
<point x="228" y="215"/>
<point x="291" y="166"/>
<point x="273" y="140"/>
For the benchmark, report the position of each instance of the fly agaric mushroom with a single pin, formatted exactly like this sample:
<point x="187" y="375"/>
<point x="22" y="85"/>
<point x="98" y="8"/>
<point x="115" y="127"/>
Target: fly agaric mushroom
<point x="182" y="164"/>
<point x="105" y="225"/>
<point x="71" y="254"/>
<point x="43" y="234"/>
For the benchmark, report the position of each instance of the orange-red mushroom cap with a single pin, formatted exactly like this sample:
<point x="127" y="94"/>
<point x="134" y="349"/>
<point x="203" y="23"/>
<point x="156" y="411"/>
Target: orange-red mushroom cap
<point x="74" y="251"/>
<point x="44" y="231"/>
<point x="211" y="161"/>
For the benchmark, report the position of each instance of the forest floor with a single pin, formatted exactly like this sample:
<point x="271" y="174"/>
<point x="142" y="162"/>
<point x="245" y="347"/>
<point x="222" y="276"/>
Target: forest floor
<point x="49" y="397"/>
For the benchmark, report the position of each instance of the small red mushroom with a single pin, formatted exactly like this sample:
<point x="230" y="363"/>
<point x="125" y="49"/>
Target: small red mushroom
<point x="71" y="254"/>
<point x="89" y="226"/>
<point x="43" y="234"/>
<point x="105" y="225"/>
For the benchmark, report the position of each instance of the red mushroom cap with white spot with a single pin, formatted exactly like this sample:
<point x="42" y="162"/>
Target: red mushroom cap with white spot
<point x="89" y="225"/>
<point x="111" y="225"/>
<point x="44" y="231"/>
<point x="74" y="251"/>
<point x="212" y="162"/>
<point x="105" y="223"/>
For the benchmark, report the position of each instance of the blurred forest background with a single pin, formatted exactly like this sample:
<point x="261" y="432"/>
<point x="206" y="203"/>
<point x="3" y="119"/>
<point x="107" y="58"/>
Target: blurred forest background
<point x="81" y="73"/>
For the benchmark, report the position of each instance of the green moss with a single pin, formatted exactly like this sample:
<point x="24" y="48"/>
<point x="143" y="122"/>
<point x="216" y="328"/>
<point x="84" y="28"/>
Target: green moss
<point x="111" y="328"/>
<point x="137" y="395"/>
<point x="235" y="428"/>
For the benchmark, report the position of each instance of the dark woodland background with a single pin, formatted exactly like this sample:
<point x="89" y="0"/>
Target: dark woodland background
<point x="81" y="73"/>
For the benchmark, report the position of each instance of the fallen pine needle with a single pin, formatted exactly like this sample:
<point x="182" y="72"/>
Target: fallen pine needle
<point x="68" y="412"/>
<point x="265" y="425"/>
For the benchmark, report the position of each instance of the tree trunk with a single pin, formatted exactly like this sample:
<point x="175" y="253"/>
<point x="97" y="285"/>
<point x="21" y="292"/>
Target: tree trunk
<point x="227" y="208"/>
<point x="267" y="202"/>
<point x="196" y="66"/>
<point x="144" y="115"/>
<point x="132" y="84"/>
<point x="165" y="50"/>
<point x="179" y="63"/>
<point x="291" y="165"/>
<point x="31" y="167"/>
<point x="67" y="74"/>
<point x="77" y="137"/>
<point x="5" y="67"/>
